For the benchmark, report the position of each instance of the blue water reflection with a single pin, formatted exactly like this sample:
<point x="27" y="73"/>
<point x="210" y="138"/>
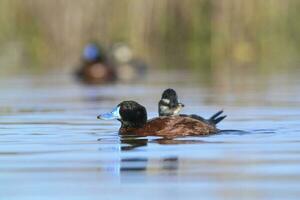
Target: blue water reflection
<point x="53" y="147"/>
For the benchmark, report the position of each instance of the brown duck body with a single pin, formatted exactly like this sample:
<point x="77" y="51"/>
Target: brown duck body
<point x="171" y="126"/>
<point x="96" y="73"/>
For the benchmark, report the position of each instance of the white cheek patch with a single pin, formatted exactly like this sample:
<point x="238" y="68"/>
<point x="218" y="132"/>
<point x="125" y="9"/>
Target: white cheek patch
<point x="167" y="101"/>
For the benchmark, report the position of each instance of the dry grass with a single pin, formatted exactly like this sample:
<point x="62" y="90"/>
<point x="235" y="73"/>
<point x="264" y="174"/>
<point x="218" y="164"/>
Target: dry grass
<point x="200" y="34"/>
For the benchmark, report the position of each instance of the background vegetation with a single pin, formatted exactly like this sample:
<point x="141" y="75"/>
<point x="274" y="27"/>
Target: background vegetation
<point x="204" y="35"/>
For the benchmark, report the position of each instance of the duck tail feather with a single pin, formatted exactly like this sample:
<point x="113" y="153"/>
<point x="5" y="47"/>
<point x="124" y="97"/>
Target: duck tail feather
<point x="216" y="115"/>
<point x="217" y="120"/>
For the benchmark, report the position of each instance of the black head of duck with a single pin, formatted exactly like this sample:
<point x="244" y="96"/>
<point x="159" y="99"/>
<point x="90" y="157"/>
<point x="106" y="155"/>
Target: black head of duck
<point x="94" y="68"/>
<point x="169" y="105"/>
<point x="133" y="118"/>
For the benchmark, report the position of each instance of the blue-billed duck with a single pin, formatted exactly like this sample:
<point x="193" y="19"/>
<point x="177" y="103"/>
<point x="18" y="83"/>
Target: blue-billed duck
<point x="169" y="105"/>
<point x="133" y="118"/>
<point x="94" y="68"/>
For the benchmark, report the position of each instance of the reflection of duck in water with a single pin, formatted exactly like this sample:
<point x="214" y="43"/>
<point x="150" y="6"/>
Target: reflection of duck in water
<point x="133" y="118"/>
<point x="137" y="164"/>
<point x="128" y="68"/>
<point x="130" y="142"/>
<point x="169" y="105"/>
<point x="94" y="68"/>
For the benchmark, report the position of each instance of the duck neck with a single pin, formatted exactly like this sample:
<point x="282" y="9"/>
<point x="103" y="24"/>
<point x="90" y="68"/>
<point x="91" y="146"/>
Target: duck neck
<point x="132" y="125"/>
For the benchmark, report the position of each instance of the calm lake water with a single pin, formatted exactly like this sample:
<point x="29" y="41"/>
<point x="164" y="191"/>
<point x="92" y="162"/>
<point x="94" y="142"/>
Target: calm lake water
<point x="53" y="147"/>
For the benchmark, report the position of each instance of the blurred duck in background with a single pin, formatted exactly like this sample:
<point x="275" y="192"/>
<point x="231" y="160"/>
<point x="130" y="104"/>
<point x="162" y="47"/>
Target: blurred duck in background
<point x="94" y="68"/>
<point x="128" y="67"/>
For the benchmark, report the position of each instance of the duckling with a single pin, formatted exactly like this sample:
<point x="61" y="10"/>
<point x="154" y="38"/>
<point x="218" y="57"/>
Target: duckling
<point x="169" y="105"/>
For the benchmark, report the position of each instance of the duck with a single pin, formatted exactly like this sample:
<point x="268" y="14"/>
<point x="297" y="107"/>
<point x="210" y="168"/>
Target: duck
<point x="134" y="121"/>
<point x="94" y="68"/>
<point x="169" y="105"/>
<point x="128" y="67"/>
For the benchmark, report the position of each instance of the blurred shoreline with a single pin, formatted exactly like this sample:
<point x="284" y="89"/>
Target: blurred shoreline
<point x="201" y="35"/>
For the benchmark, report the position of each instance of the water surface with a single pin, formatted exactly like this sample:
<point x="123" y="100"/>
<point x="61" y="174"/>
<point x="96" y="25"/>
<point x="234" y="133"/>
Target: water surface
<point x="53" y="147"/>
